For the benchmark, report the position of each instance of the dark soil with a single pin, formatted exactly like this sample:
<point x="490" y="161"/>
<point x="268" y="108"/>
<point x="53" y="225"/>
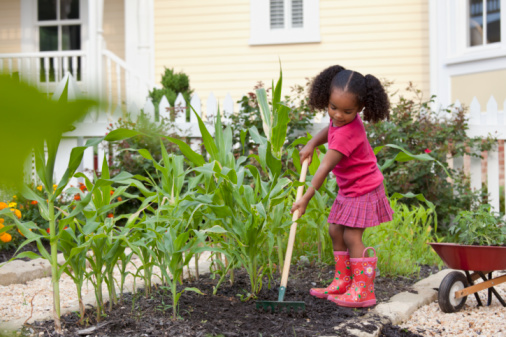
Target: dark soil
<point x="7" y="254"/>
<point x="226" y="315"/>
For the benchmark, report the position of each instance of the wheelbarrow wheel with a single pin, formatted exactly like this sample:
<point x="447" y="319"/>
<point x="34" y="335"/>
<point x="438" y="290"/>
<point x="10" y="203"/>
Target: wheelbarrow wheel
<point x="453" y="282"/>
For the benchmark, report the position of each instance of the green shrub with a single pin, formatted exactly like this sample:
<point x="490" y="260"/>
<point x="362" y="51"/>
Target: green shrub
<point x="478" y="227"/>
<point x="418" y="129"/>
<point x="172" y="85"/>
<point x="401" y="244"/>
<point x="128" y="159"/>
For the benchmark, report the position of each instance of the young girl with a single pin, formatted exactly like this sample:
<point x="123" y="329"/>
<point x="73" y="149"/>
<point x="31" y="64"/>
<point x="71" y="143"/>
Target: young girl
<point x="361" y="201"/>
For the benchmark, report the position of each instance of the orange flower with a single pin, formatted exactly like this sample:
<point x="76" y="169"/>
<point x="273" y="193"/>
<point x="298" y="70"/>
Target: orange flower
<point x="82" y="187"/>
<point x="112" y="192"/>
<point x="120" y="199"/>
<point x="47" y="230"/>
<point x="65" y="227"/>
<point x="6" y="237"/>
<point x="34" y="202"/>
<point x="110" y="215"/>
<point x="1" y="226"/>
<point x="2" y="220"/>
<point x="17" y="212"/>
<point x="3" y="205"/>
<point x="77" y="197"/>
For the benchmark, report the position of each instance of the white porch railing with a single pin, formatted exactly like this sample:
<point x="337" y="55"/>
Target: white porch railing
<point x="44" y="69"/>
<point x="118" y="84"/>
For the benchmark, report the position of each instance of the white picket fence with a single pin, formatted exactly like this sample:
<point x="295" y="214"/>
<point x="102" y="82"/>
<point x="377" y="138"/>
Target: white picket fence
<point x="484" y="122"/>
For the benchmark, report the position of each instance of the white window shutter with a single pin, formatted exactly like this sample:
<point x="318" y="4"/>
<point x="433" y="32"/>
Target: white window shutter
<point x="297" y="14"/>
<point x="277" y="14"/>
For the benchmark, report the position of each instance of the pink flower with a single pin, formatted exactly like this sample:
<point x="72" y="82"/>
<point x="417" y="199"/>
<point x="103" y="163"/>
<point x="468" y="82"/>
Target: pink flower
<point x="427" y="151"/>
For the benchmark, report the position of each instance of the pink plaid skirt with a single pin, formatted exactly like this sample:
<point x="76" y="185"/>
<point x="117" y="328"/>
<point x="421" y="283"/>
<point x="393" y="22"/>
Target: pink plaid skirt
<point x="367" y="210"/>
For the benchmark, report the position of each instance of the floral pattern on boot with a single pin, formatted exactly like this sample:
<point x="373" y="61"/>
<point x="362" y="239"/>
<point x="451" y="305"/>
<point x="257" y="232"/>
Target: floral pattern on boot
<point x="361" y="291"/>
<point x="342" y="277"/>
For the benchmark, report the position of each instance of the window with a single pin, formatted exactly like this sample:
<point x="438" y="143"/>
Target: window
<point x="484" y="22"/>
<point x="284" y="21"/>
<point x="59" y="28"/>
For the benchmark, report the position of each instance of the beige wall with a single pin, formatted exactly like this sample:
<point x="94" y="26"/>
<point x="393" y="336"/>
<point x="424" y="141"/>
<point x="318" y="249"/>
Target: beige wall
<point x="208" y="40"/>
<point x="114" y="26"/>
<point x="481" y="85"/>
<point x="10" y="27"/>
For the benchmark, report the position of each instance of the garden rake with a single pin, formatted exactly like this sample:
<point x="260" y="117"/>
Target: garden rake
<point x="280" y="303"/>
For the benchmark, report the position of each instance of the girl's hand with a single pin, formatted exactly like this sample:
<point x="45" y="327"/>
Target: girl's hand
<point x="307" y="152"/>
<point x="300" y="206"/>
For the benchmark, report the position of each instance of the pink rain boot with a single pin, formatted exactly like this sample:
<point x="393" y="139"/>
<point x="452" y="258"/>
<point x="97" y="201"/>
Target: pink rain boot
<point x="342" y="277"/>
<point x="360" y="294"/>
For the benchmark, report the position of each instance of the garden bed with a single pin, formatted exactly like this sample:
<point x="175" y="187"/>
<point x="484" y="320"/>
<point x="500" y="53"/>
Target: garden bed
<point x="7" y="254"/>
<point x="225" y="314"/>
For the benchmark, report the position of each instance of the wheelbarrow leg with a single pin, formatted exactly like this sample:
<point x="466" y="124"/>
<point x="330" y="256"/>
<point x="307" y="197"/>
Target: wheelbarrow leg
<point x="471" y="282"/>
<point x="491" y="290"/>
<point x="489" y="300"/>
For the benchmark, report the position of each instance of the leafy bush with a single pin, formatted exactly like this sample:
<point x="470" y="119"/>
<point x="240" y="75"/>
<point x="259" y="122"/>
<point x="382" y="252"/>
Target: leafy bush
<point x="415" y="127"/>
<point x="127" y="157"/>
<point x="479" y="227"/>
<point x="172" y="85"/>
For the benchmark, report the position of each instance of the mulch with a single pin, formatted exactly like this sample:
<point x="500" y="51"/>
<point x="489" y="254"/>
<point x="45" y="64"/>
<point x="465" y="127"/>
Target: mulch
<point x="225" y="314"/>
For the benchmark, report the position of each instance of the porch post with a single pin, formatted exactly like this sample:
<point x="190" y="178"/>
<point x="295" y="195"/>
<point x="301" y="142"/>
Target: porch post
<point x="139" y="50"/>
<point x="145" y="46"/>
<point x="95" y="47"/>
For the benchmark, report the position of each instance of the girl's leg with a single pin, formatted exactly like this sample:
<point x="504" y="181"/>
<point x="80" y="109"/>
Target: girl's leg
<point x="336" y="233"/>
<point x="352" y="238"/>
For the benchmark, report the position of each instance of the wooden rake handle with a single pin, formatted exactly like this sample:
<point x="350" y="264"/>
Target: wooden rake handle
<point x="293" y="228"/>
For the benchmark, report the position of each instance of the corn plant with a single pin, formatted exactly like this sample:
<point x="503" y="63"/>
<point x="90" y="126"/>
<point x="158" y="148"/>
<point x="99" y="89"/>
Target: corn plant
<point x="45" y="172"/>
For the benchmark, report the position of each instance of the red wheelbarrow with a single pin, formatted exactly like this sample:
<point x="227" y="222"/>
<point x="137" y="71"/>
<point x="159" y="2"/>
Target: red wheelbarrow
<point x="476" y="262"/>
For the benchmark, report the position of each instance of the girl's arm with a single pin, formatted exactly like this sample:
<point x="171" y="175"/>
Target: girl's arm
<point x="308" y="149"/>
<point x="330" y="160"/>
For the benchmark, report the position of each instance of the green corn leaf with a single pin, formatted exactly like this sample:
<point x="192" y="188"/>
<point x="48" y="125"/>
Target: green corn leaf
<point x="191" y="155"/>
<point x="276" y="95"/>
<point x="255" y="135"/>
<point x="120" y="134"/>
<point x="279" y="130"/>
<point x="207" y="138"/>
<point x="265" y="112"/>
<point x="195" y="290"/>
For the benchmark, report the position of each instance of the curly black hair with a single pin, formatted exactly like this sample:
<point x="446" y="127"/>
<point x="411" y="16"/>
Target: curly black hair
<point x="368" y="90"/>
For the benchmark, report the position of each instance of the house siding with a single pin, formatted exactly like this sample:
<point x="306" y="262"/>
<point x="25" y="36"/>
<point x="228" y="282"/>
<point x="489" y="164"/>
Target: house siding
<point x="114" y="26"/>
<point x="10" y="29"/>
<point x="209" y="42"/>
<point x="480" y="85"/>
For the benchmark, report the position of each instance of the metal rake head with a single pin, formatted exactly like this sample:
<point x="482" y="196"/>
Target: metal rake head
<point x="277" y="306"/>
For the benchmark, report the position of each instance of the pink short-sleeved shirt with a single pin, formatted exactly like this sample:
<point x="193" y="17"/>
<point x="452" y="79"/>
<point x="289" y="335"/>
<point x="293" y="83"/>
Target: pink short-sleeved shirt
<point x="357" y="173"/>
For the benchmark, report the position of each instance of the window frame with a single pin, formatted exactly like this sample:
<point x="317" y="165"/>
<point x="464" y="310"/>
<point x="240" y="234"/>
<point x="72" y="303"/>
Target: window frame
<point x="30" y="25"/>
<point x="262" y="34"/>
<point x="459" y="50"/>
<point x="58" y="23"/>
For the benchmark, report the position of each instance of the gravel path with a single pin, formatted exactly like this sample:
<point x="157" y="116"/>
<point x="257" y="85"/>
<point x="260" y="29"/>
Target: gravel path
<point x="471" y="320"/>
